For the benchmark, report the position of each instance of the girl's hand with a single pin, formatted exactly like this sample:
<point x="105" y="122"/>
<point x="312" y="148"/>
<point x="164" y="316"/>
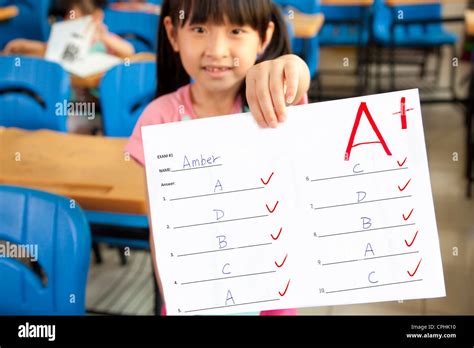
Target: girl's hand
<point x="273" y="84"/>
<point x="101" y="30"/>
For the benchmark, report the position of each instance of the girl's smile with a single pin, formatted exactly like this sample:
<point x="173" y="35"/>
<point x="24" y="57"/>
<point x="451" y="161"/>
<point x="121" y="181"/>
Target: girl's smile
<point x="217" y="72"/>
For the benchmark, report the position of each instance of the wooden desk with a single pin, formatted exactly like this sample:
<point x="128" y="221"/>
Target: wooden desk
<point x="86" y="82"/>
<point x="305" y="25"/>
<point x="347" y="2"/>
<point x="138" y="7"/>
<point x="469" y="16"/>
<point x="89" y="169"/>
<point x="94" y="80"/>
<point x="8" y="12"/>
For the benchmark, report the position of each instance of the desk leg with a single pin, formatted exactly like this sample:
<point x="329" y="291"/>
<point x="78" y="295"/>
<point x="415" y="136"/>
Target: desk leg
<point x="469" y="140"/>
<point x="439" y="59"/>
<point x="362" y="52"/>
<point x="392" y="59"/>
<point x="453" y="73"/>
<point x="97" y="254"/>
<point x="378" y="68"/>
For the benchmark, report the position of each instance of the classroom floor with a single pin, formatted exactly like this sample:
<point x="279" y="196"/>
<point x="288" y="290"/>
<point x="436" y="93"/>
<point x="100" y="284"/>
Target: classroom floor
<point x="129" y="289"/>
<point x="117" y="289"/>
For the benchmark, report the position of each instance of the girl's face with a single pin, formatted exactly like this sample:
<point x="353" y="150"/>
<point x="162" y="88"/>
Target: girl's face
<point x="217" y="56"/>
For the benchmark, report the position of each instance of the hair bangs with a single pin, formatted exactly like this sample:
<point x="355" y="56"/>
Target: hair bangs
<point x="255" y="13"/>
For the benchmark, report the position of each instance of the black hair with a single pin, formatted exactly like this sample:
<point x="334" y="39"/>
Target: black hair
<point x="256" y="13"/>
<point x="62" y="7"/>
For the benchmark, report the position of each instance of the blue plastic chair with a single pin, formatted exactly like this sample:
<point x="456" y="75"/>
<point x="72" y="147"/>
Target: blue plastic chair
<point x="125" y="92"/>
<point x="31" y="90"/>
<point x="31" y="22"/>
<point x="345" y="25"/>
<point x="418" y="26"/>
<point x="61" y="234"/>
<point x="108" y="220"/>
<point x="138" y="28"/>
<point x="308" y="49"/>
<point x="413" y="34"/>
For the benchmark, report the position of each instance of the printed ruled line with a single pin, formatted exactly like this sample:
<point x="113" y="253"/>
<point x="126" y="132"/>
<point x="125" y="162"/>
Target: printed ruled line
<point x="182" y="170"/>
<point x="367" y="230"/>
<point x="237" y="276"/>
<point x="225" y="249"/>
<point x="234" y="305"/>
<point x="375" y="200"/>
<point x="369" y="258"/>
<point x="374" y="286"/>
<point x="358" y="174"/>
<point x="219" y="222"/>
<point x="217" y="193"/>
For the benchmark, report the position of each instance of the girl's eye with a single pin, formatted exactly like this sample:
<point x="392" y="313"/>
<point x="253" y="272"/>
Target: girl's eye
<point x="199" y="30"/>
<point x="237" y="31"/>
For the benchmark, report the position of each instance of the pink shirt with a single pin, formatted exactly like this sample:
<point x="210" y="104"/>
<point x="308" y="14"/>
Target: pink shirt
<point x="172" y="107"/>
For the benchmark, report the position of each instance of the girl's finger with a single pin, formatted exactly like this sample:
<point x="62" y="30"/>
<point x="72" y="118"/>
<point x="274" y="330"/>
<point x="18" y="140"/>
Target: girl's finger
<point x="253" y="103"/>
<point x="262" y="90"/>
<point x="291" y="79"/>
<point x="277" y="91"/>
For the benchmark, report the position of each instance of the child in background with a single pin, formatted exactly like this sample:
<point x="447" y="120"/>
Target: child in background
<point x="104" y="41"/>
<point x="237" y="54"/>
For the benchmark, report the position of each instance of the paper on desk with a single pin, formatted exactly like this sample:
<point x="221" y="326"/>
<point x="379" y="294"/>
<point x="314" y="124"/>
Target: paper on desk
<point x="69" y="45"/>
<point x="332" y="207"/>
<point x="70" y="40"/>
<point x="92" y="64"/>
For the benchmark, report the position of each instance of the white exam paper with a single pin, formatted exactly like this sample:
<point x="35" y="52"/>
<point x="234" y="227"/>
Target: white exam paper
<point x="248" y="219"/>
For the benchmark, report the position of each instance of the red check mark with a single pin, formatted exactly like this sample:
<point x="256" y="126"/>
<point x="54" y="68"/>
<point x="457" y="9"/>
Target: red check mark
<point x="409" y="244"/>
<point x="404" y="187"/>
<point x="281" y="264"/>
<point x="406" y="218"/>
<point x="278" y="235"/>
<point x="416" y="269"/>
<point x="284" y="292"/>
<point x="401" y="164"/>
<point x="266" y="182"/>
<point x="272" y="210"/>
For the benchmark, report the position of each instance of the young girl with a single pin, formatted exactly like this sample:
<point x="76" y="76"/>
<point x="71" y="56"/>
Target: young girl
<point x="104" y="41"/>
<point x="237" y="54"/>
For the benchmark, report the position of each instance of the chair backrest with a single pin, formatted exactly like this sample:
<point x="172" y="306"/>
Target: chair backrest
<point x="305" y="6"/>
<point x="139" y="28"/>
<point x="384" y="16"/>
<point x="335" y="12"/>
<point x="309" y="52"/>
<point x="60" y="234"/>
<point x="345" y="25"/>
<point x="31" y="22"/>
<point x="33" y="93"/>
<point x="125" y="91"/>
